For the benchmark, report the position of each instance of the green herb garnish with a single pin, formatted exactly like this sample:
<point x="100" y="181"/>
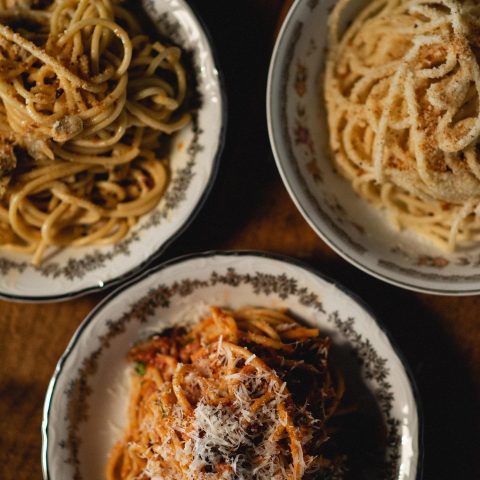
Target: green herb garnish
<point x="140" y="368"/>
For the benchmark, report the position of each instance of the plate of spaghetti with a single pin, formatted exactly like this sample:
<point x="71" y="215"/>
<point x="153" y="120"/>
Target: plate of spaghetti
<point x="112" y="120"/>
<point x="232" y="365"/>
<point x="373" y="110"/>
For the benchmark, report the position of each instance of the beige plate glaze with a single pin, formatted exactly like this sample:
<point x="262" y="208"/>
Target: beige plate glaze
<point x="194" y="160"/>
<point x="85" y="406"/>
<point x="298" y="134"/>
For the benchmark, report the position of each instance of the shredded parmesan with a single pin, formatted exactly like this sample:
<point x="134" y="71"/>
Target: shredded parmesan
<point x="231" y="435"/>
<point x="250" y="358"/>
<point x="227" y="409"/>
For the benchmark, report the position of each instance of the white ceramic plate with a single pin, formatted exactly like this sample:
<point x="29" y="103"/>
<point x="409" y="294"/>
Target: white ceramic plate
<point x="298" y="133"/>
<point x="194" y="162"/>
<point x="85" y="406"/>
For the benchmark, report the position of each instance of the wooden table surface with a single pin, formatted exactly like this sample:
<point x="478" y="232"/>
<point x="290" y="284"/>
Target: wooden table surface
<point x="250" y="209"/>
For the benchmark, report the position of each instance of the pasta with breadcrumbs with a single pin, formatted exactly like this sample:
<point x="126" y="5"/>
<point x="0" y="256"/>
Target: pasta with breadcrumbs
<point x="402" y="89"/>
<point x="88" y="103"/>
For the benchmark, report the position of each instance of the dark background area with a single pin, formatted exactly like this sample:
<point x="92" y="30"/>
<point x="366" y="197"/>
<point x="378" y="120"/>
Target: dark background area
<point x="249" y="208"/>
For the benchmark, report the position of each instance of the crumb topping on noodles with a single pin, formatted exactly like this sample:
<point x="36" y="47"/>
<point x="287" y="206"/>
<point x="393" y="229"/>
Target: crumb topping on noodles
<point x="87" y="103"/>
<point x="223" y="399"/>
<point x="402" y="88"/>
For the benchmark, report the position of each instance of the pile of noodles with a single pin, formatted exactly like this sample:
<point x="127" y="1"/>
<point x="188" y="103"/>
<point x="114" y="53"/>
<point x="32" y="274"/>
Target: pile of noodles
<point x="246" y="395"/>
<point x="402" y="88"/>
<point x="87" y="103"/>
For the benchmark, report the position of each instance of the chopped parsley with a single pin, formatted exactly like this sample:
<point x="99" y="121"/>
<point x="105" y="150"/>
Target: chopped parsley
<point x="140" y="368"/>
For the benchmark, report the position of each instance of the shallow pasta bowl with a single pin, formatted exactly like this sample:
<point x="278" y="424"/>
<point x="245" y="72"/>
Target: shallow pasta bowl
<point x="297" y="122"/>
<point x="86" y="403"/>
<point x="195" y="153"/>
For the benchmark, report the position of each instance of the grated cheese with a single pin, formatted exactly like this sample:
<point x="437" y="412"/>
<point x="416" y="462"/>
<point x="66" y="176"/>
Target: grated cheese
<point x="230" y="435"/>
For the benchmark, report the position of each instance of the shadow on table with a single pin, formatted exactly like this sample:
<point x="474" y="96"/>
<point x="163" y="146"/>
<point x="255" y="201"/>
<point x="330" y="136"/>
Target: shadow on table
<point x="243" y="44"/>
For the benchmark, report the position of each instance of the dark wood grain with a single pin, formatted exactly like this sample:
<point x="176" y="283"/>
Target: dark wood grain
<point x="250" y="209"/>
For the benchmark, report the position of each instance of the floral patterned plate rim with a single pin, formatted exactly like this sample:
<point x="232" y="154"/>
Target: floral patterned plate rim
<point x="195" y="159"/>
<point x="298" y="133"/>
<point x="86" y="399"/>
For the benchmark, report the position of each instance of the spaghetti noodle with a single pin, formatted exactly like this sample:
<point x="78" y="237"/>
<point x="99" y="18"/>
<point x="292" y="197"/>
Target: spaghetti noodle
<point x="245" y="394"/>
<point x="402" y="88"/>
<point x="87" y="103"/>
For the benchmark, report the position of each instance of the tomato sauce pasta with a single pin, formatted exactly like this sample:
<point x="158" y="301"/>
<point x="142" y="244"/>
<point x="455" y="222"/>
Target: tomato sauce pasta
<point x="245" y="394"/>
